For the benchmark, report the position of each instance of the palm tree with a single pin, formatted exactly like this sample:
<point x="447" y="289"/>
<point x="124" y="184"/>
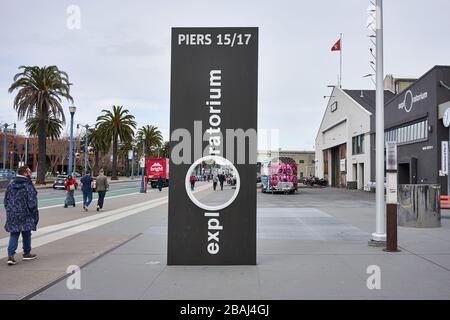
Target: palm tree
<point x="53" y="127"/>
<point x="151" y="136"/>
<point x="40" y="93"/>
<point x="164" y="150"/>
<point x="100" y="145"/>
<point x="114" y="125"/>
<point x="123" y="153"/>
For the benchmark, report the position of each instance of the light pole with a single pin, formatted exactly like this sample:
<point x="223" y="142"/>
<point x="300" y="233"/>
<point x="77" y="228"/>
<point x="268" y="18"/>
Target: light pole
<point x="72" y="110"/>
<point x="142" y="167"/>
<point x="5" y="127"/>
<point x="86" y="143"/>
<point x="26" y="151"/>
<point x="132" y="160"/>
<point x="379" y="236"/>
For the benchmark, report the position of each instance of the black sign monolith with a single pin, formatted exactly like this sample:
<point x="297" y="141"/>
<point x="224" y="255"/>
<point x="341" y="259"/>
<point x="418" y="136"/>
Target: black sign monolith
<point x="213" y="113"/>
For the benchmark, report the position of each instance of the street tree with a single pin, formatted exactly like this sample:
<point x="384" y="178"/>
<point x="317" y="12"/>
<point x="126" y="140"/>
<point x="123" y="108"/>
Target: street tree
<point x="116" y="124"/>
<point x="152" y="138"/>
<point x="40" y="94"/>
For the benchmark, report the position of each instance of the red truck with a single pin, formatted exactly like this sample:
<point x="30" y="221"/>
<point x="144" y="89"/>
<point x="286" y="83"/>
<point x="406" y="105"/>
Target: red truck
<point x="156" y="168"/>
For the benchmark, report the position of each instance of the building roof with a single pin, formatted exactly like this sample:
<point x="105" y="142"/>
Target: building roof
<point x="366" y="98"/>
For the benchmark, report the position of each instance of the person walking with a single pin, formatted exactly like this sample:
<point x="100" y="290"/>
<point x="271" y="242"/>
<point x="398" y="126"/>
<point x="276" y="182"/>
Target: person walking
<point x="221" y="180"/>
<point x="160" y="183"/>
<point x="71" y="185"/>
<point x="101" y="186"/>
<point x="86" y="188"/>
<point x="192" y="180"/>
<point x="22" y="214"/>
<point x="215" y="180"/>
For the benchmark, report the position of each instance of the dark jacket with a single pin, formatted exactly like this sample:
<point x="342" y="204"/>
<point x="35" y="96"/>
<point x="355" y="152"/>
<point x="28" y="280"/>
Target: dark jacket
<point x="21" y="205"/>
<point x="101" y="183"/>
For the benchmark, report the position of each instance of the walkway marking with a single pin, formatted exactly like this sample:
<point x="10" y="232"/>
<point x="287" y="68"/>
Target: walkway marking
<point x="80" y="196"/>
<point x="53" y="233"/>
<point x="77" y="202"/>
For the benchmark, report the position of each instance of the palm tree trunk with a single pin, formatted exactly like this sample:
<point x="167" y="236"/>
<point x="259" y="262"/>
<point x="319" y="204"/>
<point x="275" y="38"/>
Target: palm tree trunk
<point x="96" y="161"/>
<point x="127" y="166"/>
<point x="114" y="163"/>
<point x="42" y="142"/>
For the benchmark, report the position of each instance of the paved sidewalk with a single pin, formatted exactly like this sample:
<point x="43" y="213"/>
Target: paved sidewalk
<point x="75" y="241"/>
<point x="304" y="252"/>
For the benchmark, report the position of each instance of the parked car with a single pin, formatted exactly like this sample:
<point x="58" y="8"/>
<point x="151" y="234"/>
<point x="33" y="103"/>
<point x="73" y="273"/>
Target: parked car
<point x="60" y="182"/>
<point x="7" y="174"/>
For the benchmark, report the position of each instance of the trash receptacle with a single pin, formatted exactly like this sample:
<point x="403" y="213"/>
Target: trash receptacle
<point x="419" y="205"/>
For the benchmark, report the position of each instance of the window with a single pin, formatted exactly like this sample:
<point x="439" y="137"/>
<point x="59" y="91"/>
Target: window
<point x="408" y="133"/>
<point x="334" y="106"/>
<point x="301" y="161"/>
<point x="358" y="144"/>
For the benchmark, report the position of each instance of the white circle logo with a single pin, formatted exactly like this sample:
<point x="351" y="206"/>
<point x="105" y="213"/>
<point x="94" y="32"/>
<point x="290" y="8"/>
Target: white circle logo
<point x="408" y="102"/>
<point x="217" y="160"/>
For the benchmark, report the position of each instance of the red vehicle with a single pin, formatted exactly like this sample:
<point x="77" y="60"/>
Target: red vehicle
<point x="279" y="175"/>
<point x="157" y="168"/>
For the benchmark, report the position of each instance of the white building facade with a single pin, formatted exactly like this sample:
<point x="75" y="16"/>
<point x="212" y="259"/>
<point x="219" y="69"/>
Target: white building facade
<point x="344" y="148"/>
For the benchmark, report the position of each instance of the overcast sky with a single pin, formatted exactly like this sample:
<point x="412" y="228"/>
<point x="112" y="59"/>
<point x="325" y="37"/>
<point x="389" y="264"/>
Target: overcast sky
<point x="121" y="53"/>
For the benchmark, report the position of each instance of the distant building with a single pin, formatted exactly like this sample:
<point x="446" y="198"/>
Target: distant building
<point x="57" y="152"/>
<point x="303" y="159"/>
<point x="397" y="85"/>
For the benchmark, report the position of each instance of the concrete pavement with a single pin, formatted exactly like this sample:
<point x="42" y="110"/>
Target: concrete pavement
<point x="54" y="199"/>
<point x="75" y="239"/>
<point x="311" y="245"/>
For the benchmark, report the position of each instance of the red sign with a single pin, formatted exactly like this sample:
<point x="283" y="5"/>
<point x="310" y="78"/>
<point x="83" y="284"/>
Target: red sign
<point x="157" y="168"/>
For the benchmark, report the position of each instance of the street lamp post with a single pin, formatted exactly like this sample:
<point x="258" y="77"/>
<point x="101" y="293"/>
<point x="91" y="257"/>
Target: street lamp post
<point x="143" y="168"/>
<point x="4" y="147"/>
<point x="86" y="143"/>
<point x="26" y="151"/>
<point x="132" y="161"/>
<point x="5" y="127"/>
<point x="72" y="110"/>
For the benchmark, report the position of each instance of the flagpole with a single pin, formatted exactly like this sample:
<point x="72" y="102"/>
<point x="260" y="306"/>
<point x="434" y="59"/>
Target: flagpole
<point x="340" y="63"/>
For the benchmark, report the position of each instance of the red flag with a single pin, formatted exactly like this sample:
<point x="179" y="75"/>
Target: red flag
<point x="337" y="46"/>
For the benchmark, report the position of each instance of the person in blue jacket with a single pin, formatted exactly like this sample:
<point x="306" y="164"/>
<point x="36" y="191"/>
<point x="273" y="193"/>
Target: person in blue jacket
<point x="160" y="183"/>
<point x="22" y="214"/>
